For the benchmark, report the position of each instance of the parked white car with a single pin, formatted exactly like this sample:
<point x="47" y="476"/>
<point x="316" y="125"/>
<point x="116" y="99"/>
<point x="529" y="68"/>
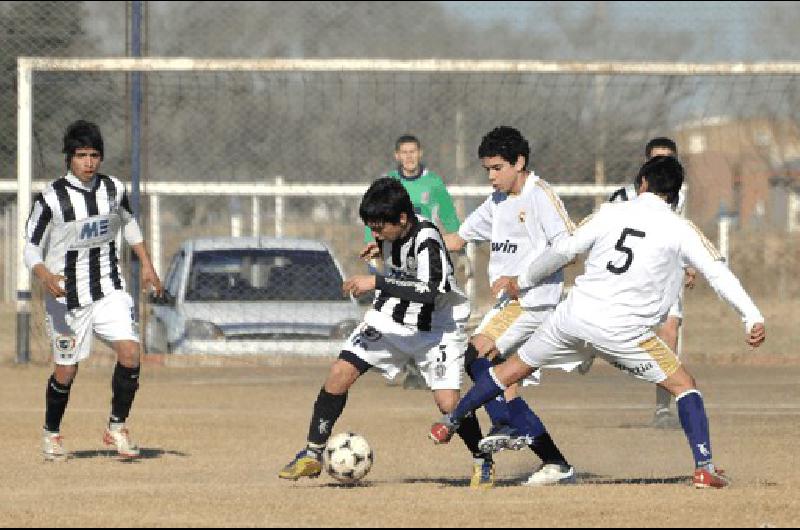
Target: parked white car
<point x="251" y="295"/>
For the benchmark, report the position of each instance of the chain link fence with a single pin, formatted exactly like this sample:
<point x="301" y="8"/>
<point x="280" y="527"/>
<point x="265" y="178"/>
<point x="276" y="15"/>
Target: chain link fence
<point x="208" y="134"/>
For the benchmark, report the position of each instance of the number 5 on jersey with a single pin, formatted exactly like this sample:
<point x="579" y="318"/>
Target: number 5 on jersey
<point x="625" y="250"/>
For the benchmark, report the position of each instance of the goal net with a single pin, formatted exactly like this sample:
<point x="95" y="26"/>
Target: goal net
<point x="264" y="148"/>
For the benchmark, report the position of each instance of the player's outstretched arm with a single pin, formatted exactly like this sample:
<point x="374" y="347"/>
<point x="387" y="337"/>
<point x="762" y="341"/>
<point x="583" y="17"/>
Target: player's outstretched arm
<point x="150" y="277"/>
<point x="699" y="253"/>
<point x="358" y="285"/>
<point x="757" y="336"/>
<point x="454" y="242"/>
<point x="562" y="252"/>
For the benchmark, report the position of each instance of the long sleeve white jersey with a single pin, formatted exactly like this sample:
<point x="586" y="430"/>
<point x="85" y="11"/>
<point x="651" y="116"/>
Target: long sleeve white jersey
<point x="73" y="229"/>
<point x="519" y="228"/>
<point x="633" y="271"/>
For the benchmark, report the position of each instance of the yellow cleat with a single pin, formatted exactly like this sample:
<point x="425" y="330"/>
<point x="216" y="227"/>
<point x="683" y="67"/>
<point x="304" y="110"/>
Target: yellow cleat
<point x="303" y="465"/>
<point x="482" y="474"/>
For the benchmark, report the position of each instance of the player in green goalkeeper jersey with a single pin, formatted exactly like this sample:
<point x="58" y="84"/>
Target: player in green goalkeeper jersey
<point x="430" y="199"/>
<point x="427" y="190"/>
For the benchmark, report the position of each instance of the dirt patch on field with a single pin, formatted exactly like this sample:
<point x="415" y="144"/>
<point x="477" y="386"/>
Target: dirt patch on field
<point x="214" y="439"/>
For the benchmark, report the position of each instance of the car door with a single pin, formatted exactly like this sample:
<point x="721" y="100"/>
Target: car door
<point x="165" y="323"/>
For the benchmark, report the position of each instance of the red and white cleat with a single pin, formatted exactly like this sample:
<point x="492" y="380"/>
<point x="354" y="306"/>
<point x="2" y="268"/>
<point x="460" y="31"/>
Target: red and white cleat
<point x="120" y="438"/>
<point x="53" y="447"/>
<point x="710" y="478"/>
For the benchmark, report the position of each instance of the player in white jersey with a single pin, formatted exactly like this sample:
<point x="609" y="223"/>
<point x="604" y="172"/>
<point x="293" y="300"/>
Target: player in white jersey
<point x="72" y="250"/>
<point x="663" y="418"/>
<point x="419" y="313"/>
<point x="520" y="220"/>
<point x="633" y="273"/>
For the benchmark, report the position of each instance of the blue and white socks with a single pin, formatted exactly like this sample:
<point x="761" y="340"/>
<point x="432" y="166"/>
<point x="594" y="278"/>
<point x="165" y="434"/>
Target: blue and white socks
<point x="694" y="421"/>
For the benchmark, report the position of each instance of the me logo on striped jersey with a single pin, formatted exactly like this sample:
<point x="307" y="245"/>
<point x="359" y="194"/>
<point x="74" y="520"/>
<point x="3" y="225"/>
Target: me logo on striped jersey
<point x="94" y="229"/>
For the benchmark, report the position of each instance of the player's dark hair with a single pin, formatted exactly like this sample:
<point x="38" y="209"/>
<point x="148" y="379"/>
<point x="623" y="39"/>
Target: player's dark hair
<point x="384" y="201"/>
<point x="82" y="134"/>
<point x="507" y="143"/>
<point x="661" y="141"/>
<point x="664" y="176"/>
<point x="407" y="139"/>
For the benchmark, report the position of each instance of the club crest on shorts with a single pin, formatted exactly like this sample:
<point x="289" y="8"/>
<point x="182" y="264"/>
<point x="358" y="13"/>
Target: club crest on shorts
<point x="522" y="215"/>
<point x="65" y="343"/>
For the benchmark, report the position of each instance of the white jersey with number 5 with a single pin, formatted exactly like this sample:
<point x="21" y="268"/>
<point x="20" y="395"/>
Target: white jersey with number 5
<point x="634" y="268"/>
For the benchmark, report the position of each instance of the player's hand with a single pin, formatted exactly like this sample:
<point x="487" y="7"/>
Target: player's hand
<point x="757" y="336"/>
<point x="691" y="277"/>
<point x="507" y="285"/>
<point x="358" y="285"/>
<point x="53" y="283"/>
<point x="454" y="242"/>
<point x="370" y="252"/>
<point x="150" y="280"/>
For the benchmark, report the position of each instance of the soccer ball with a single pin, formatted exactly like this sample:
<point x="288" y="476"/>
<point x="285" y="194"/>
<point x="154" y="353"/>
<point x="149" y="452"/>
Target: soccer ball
<point x="348" y="457"/>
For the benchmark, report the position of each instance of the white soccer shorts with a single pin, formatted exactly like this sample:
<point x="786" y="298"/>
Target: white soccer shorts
<point x="564" y="339"/>
<point x="509" y="325"/>
<point x="70" y="331"/>
<point x="387" y="345"/>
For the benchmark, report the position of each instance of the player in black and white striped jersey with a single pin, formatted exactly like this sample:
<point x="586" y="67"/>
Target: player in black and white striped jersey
<point x="419" y="313"/>
<point x="72" y="250"/>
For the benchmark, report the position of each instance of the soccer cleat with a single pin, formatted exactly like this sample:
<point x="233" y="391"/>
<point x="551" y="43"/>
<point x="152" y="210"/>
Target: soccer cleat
<point x="304" y="464"/>
<point x="665" y="419"/>
<point x="502" y="437"/>
<point x="442" y="431"/>
<point x="482" y="474"/>
<point x="120" y="439"/>
<point x="53" y="446"/>
<point x="414" y="379"/>
<point x="710" y="477"/>
<point x="586" y="366"/>
<point x="551" y="474"/>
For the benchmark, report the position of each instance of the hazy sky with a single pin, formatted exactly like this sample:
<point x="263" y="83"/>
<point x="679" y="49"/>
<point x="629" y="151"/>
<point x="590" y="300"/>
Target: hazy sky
<point x="725" y="31"/>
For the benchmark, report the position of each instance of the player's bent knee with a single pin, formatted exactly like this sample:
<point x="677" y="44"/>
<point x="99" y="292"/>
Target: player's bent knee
<point x="679" y="382"/>
<point x="342" y="375"/>
<point x="128" y="353"/>
<point x="65" y="374"/>
<point x="483" y="344"/>
<point x="446" y="400"/>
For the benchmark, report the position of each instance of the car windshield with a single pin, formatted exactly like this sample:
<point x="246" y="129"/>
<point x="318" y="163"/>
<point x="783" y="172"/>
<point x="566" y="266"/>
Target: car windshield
<point x="263" y="275"/>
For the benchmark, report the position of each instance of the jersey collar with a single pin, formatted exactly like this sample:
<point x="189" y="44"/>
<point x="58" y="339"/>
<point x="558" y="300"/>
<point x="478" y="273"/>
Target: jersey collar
<point x="652" y="198"/>
<point x="76" y="183"/>
<point x="421" y="172"/>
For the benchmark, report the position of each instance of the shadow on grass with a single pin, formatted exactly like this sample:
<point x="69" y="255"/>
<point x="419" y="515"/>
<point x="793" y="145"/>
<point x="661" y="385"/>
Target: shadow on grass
<point x="144" y="454"/>
<point x="449" y="482"/>
<point x="581" y="478"/>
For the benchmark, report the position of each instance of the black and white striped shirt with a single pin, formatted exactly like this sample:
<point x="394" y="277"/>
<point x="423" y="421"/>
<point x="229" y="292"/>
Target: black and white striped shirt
<point x="419" y="277"/>
<point x="74" y="229"/>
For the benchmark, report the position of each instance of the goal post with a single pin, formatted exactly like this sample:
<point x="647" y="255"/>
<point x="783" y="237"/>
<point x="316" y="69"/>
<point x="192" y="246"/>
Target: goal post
<point x="564" y="107"/>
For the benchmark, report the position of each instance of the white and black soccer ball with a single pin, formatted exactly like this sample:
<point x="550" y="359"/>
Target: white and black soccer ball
<point x="348" y="457"/>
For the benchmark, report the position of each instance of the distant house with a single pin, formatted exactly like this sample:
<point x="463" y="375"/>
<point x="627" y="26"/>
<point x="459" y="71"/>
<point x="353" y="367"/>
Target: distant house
<point x="749" y="169"/>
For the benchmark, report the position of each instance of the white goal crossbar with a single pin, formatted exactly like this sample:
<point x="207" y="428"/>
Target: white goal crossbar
<point x="27" y="66"/>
